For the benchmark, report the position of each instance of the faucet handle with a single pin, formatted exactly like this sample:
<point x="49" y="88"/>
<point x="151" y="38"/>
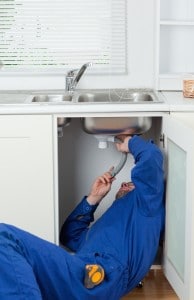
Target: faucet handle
<point x="88" y="64"/>
<point x="72" y="73"/>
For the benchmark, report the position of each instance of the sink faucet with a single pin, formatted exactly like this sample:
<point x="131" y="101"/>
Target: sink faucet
<point x="73" y="77"/>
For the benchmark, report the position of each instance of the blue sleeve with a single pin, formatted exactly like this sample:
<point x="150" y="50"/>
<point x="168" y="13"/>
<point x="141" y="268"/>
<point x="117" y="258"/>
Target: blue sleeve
<point x="74" y="230"/>
<point x="147" y="175"/>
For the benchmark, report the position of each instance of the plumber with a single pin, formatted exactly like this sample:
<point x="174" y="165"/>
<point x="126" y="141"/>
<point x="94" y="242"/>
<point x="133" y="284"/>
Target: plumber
<point x="99" y="262"/>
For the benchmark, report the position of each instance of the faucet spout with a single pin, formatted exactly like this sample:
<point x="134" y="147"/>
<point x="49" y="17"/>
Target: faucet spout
<point x="81" y="72"/>
<point x="73" y="77"/>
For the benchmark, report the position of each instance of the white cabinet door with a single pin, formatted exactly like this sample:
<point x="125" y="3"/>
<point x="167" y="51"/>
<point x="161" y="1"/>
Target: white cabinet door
<point x="179" y="233"/>
<point x="26" y="173"/>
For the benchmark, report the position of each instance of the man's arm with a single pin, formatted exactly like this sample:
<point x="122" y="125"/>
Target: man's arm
<point x="75" y="228"/>
<point x="147" y="175"/>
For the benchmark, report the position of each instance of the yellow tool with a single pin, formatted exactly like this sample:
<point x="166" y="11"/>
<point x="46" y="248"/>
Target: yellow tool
<point x="94" y="275"/>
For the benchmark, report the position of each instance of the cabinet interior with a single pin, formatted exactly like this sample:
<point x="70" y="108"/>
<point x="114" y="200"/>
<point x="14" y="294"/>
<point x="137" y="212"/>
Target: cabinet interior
<point x="176" y="49"/>
<point x="176" y="45"/>
<point x="81" y="161"/>
<point x="177" y="10"/>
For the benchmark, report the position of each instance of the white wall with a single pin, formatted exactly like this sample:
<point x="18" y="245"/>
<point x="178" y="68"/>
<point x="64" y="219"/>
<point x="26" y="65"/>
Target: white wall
<point x="141" y="57"/>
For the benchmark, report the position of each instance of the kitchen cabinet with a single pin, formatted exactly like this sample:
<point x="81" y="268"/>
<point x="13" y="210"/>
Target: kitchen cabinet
<point x="178" y="130"/>
<point x="39" y="187"/>
<point x="26" y="173"/>
<point x="175" y="42"/>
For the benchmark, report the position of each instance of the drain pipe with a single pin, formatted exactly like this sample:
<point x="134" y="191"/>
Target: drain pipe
<point x="103" y="144"/>
<point x="120" y="165"/>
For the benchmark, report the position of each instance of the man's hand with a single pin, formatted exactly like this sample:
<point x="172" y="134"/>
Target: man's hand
<point x="100" y="188"/>
<point x="123" y="145"/>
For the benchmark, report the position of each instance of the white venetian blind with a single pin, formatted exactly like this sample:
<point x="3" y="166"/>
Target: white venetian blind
<point x="53" y="35"/>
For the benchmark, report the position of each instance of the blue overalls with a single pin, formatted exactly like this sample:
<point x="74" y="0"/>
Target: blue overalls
<point x="124" y="241"/>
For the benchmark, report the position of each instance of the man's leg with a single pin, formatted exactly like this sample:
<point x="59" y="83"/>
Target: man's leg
<point x="17" y="280"/>
<point x="33" y="263"/>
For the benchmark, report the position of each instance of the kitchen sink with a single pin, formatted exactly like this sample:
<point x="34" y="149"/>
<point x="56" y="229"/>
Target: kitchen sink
<point x="51" y="98"/>
<point x="124" y="96"/>
<point x="116" y="125"/>
<point x="105" y="125"/>
<point x="132" y="96"/>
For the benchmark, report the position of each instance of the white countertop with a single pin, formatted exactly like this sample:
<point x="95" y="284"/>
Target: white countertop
<point x="17" y="102"/>
<point x="178" y="103"/>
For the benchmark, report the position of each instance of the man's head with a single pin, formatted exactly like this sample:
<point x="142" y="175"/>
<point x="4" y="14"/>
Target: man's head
<point x="124" y="189"/>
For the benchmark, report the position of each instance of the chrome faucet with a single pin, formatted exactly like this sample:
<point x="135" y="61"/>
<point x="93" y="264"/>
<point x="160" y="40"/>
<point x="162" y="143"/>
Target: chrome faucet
<point x="73" y="77"/>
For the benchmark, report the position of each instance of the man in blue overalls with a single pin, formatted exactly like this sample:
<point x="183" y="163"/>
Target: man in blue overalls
<point x="116" y="251"/>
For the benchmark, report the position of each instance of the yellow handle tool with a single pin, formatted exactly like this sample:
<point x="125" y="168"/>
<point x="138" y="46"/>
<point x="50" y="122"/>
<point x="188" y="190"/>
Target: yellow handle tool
<point x="94" y="275"/>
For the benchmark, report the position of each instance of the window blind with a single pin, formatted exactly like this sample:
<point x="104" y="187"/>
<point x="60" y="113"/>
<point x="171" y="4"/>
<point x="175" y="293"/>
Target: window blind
<point x="47" y="35"/>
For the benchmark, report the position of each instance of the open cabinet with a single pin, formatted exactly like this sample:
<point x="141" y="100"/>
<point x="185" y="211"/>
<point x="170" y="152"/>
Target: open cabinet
<point x="80" y="161"/>
<point x="178" y="130"/>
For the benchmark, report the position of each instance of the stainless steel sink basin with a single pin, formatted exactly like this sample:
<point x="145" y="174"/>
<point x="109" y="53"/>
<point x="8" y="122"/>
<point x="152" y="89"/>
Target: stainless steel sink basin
<point x="51" y="98"/>
<point x="116" y="125"/>
<point x="133" y="96"/>
<point x="55" y="99"/>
